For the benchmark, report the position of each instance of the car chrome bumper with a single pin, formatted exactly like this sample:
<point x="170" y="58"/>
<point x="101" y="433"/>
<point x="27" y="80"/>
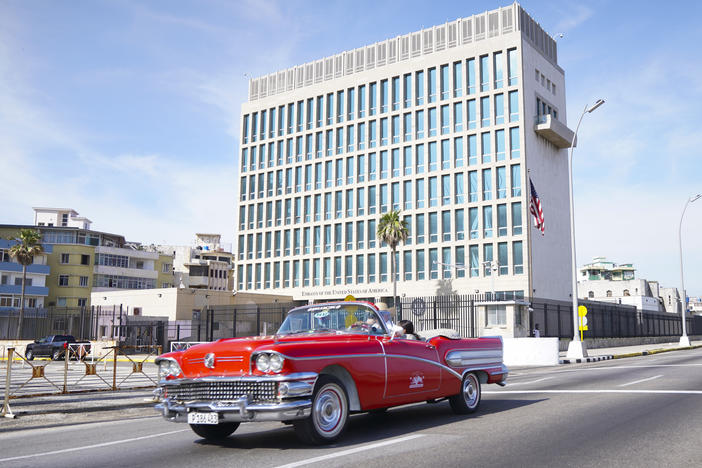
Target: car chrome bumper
<point x="292" y="398"/>
<point x="241" y="410"/>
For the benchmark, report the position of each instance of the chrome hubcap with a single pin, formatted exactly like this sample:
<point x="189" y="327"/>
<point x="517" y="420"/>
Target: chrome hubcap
<point x="470" y="390"/>
<point x="329" y="408"/>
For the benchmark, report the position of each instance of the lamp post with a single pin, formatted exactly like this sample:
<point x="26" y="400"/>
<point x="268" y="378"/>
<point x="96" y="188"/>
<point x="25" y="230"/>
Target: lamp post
<point x="684" y="340"/>
<point x="576" y="348"/>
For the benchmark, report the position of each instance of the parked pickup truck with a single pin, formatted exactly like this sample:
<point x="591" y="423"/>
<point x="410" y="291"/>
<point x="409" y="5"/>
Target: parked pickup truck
<point x="55" y="346"/>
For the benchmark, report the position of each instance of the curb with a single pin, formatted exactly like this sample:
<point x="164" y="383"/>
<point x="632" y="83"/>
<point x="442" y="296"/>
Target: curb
<point x="587" y="359"/>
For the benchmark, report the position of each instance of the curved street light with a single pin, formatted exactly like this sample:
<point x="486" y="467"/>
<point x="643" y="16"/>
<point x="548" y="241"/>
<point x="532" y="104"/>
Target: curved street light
<point x="684" y="340"/>
<point x="576" y="348"/>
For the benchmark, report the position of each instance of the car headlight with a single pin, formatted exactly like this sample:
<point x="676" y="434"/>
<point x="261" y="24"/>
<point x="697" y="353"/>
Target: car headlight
<point x="263" y="362"/>
<point x="269" y="362"/>
<point x="276" y="362"/>
<point x="168" y="368"/>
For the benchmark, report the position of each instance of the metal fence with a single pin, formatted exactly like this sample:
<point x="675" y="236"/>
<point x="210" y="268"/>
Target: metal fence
<point x="242" y="320"/>
<point x="451" y="311"/>
<point x="607" y="320"/>
<point x="76" y="321"/>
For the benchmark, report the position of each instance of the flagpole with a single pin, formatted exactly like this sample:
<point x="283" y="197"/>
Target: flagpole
<point x="576" y="348"/>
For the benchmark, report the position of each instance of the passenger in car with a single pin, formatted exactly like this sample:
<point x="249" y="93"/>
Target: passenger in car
<point x="408" y="327"/>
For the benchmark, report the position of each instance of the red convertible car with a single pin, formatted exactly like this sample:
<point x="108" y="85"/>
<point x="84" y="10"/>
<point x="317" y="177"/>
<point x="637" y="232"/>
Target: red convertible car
<point x="326" y="361"/>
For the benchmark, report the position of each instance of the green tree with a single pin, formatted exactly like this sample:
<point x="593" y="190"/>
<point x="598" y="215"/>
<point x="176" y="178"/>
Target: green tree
<point x="392" y="230"/>
<point x="28" y="244"/>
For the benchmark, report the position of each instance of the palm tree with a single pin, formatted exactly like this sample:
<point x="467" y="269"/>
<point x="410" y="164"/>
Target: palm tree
<point x="392" y="230"/>
<point x="27" y="246"/>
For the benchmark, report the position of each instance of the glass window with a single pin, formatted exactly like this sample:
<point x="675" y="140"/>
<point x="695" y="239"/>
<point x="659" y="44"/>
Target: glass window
<point x="458" y="151"/>
<point x="432" y="121"/>
<point x="473" y="186"/>
<point x="458" y="188"/>
<point x="488" y="266"/>
<point x="337" y="237"/>
<point x="420" y="228"/>
<point x="460" y="225"/>
<point x="516" y="180"/>
<point x="513" y="106"/>
<point x="349" y="236"/>
<point x="383" y="96"/>
<point x="433" y="264"/>
<point x="349" y="203"/>
<point x="445" y="124"/>
<point x="320" y="111"/>
<point x="474" y="261"/>
<point x="445" y="189"/>
<point x="408" y="222"/>
<point x="407" y="264"/>
<point x="446" y="265"/>
<point x="371" y="268"/>
<point x="360" y="201"/>
<point x="339" y="140"/>
<point x="472" y="114"/>
<point x="350" y="138"/>
<point x="431" y="81"/>
<point x="446" y="225"/>
<point x="384" y="165"/>
<point x="420" y="159"/>
<point x="360" y="263"/>
<point x="348" y="261"/>
<point x="327" y="238"/>
<point x="501" y="220"/>
<point x="407" y="92"/>
<point x="516" y="218"/>
<point x="360" y="234"/>
<point x="337" y="270"/>
<point x="444" y="82"/>
<point x="383" y="257"/>
<point x="419" y="197"/>
<point x="433" y="157"/>
<point x="396" y="167"/>
<point x="395" y="196"/>
<point x="372" y="203"/>
<point x="340" y="106"/>
<point x="372" y="133"/>
<point x="499" y="145"/>
<point x="372" y="166"/>
<point x="501" y="182"/>
<point x="383" y="131"/>
<point x="407" y="194"/>
<point x="502" y="259"/>
<point x="445" y="155"/>
<point x="361" y="167"/>
<point x="484" y="73"/>
<point x="457" y="79"/>
<point x="330" y="108"/>
<point x="383" y="198"/>
<point x="351" y="99"/>
<point x="327" y="271"/>
<point x="371" y="233"/>
<point x="487" y="221"/>
<point x="517" y="258"/>
<point x="396" y="132"/>
<point x="420" y="264"/>
<point x="512" y="70"/>
<point x="373" y="96"/>
<point x="361" y="102"/>
<point x="485" y="111"/>
<point x="433" y="191"/>
<point x="458" y="117"/>
<point x="395" y="93"/>
<point x="485" y="147"/>
<point x="470" y="76"/>
<point x="433" y="227"/>
<point x="350" y="169"/>
<point x="499" y="109"/>
<point x="317" y="268"/>
<point x="419" y="88"/>
<point x="498" y="71"/>
<point x="408" y="126"/>
<point x="487" y="184"/>
<point x="514" y="142"/>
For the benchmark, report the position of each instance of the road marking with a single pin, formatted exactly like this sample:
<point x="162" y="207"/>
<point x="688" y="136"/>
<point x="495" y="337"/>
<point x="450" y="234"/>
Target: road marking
<point x="642" y="380"/>
<point x="349" y="451"/>
<point x="527" y="383"/>
<point x="87" y="447"/>
<point x="661" y="392"/>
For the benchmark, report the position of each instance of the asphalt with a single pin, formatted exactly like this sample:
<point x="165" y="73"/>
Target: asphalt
<point x="51" y="411"/>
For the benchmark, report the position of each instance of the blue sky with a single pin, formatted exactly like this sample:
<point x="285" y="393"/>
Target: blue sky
<point x="128" y="111"/>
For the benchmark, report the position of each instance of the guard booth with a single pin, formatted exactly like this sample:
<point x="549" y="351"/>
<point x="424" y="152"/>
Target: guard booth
<point x="508" y="319"/>
<point x="143" y="334"/>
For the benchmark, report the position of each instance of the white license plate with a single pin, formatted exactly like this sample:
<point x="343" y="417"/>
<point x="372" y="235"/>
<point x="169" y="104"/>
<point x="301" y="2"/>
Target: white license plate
<point x="203" y="418"/>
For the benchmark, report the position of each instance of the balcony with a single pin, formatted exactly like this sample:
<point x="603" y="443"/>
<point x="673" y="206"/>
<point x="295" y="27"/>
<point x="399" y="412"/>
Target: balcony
<point x="31" y="269"/>
<point x="554" y="131"/>
<point x="29" y="290"/>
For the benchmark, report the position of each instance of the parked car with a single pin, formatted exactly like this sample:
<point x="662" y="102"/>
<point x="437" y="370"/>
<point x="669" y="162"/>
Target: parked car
<point x="325" y="362"/>
<point x="55" y="346"/>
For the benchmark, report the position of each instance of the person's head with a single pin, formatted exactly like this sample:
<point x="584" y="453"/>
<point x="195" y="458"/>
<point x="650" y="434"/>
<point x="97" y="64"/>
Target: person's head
<point x="407" y="325"/>
<point x="536" y="327"/>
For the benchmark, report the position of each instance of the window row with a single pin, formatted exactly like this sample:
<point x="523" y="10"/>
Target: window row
<point x="451" y="189"/>
<point x="434" y="156"/>
<point x="413" y="265"/>
<point x="64" y="280"/>
<point x="445" y="226"/>
<point x="446" y="81"/>
<point x="383" y="132"/>
<point x="122" y="282"/>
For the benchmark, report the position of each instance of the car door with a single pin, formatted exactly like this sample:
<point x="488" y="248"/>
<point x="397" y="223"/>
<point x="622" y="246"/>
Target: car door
<point x="413" y="373"/>
<point x="43" y="347"/>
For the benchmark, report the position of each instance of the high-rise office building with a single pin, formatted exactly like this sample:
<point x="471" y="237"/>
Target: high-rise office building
<point x="447" y="125"/>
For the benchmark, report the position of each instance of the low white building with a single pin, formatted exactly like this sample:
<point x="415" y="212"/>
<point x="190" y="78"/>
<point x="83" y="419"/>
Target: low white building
<point x="62" y="217"/>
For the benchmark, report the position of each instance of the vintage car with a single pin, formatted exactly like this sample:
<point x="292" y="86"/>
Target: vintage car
<point x="326" y="361"/>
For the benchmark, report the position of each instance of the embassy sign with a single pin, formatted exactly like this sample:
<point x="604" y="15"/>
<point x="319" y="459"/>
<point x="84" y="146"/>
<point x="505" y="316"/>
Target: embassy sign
<point x="343" y="292"/>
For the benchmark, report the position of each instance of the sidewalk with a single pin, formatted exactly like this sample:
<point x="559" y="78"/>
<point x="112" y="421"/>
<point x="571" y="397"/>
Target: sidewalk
<point x="619" y="352"/>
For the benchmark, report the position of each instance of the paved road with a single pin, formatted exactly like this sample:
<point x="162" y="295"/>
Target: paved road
<point x="644" y="411"/>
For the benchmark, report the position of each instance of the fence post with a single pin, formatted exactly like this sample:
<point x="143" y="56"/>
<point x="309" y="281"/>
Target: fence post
<point x="258" y="320"/>
<point x="6" y="411"/>
<point x="436" y="321"/>
<point x="114" y="368"/>
<point x="234" y="325"/>
<point x="66" y="357"/>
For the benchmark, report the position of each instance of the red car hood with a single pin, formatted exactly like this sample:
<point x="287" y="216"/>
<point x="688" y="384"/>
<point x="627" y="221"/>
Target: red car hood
<point x="232" y="356"/>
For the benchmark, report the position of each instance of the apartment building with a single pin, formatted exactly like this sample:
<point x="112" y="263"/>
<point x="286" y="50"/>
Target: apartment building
<point x="448" y="125"/>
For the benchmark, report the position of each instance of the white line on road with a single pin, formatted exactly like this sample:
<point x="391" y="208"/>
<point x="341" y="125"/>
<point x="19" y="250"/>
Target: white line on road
<point x="642" y="380"/>
<point x="531" y="382"/>
<point x="349" y="451"/>
<point x="86" y="447"/>
<point x="661" y="392"/>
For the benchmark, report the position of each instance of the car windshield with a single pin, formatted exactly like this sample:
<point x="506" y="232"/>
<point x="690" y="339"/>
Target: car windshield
<point x="351" y="318"/>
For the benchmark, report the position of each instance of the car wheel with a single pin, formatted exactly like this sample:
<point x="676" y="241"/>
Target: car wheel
<point x="214" y="431"/>
<point x="57" y="355"/>
<point x="468" y="400"/>
<point x="330" y="412"/>
<point x="29" y="355"/>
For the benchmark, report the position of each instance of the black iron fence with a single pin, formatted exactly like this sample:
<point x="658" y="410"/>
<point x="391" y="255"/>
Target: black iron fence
<point x="76" y="321"/>
<point x="451" y="311"/>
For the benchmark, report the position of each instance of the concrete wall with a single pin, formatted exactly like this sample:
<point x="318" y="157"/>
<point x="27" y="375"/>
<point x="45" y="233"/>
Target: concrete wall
<point x="595" y="343"/>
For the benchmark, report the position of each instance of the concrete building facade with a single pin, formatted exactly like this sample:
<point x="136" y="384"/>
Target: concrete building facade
<point x="36" y="290"/>
<point x="447" y="125"/>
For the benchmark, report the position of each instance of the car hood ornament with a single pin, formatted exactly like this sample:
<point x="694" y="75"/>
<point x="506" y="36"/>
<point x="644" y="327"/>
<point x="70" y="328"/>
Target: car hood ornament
<point x="210" y="360"/>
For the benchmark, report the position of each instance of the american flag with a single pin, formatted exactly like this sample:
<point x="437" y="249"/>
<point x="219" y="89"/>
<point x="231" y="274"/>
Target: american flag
<point x="535" y="208"/>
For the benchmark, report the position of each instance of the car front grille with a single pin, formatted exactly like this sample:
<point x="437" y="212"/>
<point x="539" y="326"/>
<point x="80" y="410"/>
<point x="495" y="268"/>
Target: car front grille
<point x="190" y="391"/>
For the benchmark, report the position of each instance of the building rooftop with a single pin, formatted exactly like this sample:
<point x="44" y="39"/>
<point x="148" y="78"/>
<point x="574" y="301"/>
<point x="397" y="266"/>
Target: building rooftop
<point x="452" y="34"/>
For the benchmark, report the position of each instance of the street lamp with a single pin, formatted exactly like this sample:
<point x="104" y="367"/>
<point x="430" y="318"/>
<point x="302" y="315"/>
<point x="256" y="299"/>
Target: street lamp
<point x="576" y="348"/>
<point x="684" y="340"/>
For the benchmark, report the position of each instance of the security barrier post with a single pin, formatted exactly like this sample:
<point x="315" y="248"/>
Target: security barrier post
<point x="6" y="411"/>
